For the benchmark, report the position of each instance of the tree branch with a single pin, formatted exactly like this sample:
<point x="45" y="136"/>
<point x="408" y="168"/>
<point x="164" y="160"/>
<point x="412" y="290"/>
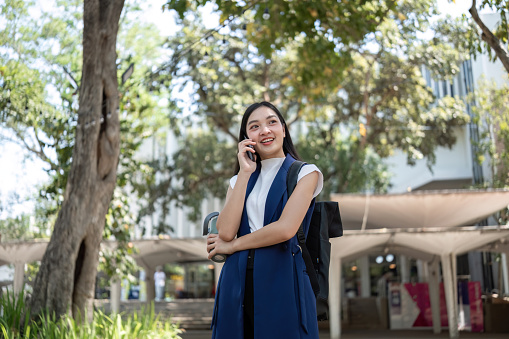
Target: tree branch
<point x="297" y="115"/>
<point x="366" y="103"/>
<point x="230" y="56"/>
<point x="76" y="85"/>
<point x="219" y="122"/>
<point x="21" y="140"/>
<point x="490" y="38"/>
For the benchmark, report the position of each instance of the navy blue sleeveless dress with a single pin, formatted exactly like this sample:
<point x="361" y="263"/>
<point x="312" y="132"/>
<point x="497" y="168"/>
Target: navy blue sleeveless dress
<point x="284" y="302"/>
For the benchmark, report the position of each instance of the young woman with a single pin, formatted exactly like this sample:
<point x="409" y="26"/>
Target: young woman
<point x="264" y="291"/>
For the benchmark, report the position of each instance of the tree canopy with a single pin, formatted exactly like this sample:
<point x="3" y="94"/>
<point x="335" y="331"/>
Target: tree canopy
<point x="491" y="114"/>
<point x="353" y="89"/>
<point x="40" y="74"/>
<point x="347" y="116"/>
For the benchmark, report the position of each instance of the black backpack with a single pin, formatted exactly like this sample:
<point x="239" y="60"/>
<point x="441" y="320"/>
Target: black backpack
<point x="325" y="224"/>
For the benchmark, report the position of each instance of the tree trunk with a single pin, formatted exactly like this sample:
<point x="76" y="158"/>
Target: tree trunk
<point x="490" y="38"/>
<point x="65" y="281"/>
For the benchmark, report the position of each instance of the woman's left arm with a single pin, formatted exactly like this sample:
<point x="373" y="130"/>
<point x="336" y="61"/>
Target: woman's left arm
<point x="274" y="233"/>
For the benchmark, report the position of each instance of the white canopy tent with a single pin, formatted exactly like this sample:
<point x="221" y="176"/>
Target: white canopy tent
<point x="20" y="253"/>
<point x="430" y="245"/>
<point x="149" y="254"/>
<point x="153" y="252"/>
<point x="157" y="251"/>
<point x="419" y="209"/>
<point x="422" y="225"/>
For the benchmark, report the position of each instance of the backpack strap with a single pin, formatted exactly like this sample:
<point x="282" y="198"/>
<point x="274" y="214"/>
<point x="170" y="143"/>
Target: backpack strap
<point x="291" y="182"/>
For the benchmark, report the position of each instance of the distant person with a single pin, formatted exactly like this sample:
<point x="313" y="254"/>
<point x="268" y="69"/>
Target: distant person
<point x="264" y="291"/>
<point x="159" y="281"/>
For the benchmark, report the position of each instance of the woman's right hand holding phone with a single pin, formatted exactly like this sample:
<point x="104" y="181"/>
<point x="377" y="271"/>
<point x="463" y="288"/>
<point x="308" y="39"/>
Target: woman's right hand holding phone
<point x="246" y="164"/>
<point x="228" y="221"/>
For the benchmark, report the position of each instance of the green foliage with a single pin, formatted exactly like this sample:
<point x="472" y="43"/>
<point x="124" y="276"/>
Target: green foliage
<point x="199" y="169"/>
<point x="326" y="23"/>
<point x="502" y="29"/>
<point x="15" y="323"/>
<point x="12" y="314"/>
<point x="491" y="114"/>
<point x="118" y="261"/>
<point x="385" y="91"/>
<point x="15" y="228"/>
<point x="40" y="75"/>
<point x="458" y="33"/>
<point x="346" y="169"/>
<point x="470" y="36"/>
<point x="326" y="92"/>
<point x="318" y="31"/>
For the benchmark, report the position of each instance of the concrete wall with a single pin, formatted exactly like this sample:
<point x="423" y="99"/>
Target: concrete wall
<point x="451" y="164"/>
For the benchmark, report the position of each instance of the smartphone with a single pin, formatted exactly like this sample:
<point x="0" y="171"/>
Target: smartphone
<point x="249" y="154"/>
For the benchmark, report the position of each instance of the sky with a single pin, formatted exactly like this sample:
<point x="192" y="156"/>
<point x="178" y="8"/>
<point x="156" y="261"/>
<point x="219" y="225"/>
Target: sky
<point x="21" y="174"/>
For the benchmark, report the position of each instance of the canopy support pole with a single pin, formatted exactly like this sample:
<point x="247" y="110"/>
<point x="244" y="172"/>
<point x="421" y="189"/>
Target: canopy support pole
<point x="150" y="284"/>
<point x="115" y="290"/>
<point x="365" y="279"/>
<point x="405" y="269"/>
<point x="335" y="297"/>
<point x="19" y="276"/>
<point x="450" y="295"/>
<point x="422" y="271"/>
<point x="505" y="272"/>
<point x="434" y="294"/>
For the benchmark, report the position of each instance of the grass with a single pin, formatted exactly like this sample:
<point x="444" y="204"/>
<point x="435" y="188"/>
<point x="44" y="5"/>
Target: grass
<point x="144" y="324"/>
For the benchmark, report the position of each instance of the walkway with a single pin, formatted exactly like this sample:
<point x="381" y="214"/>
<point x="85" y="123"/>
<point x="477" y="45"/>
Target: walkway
<point x="195" y="317"/>
<point x="378" y="334"/>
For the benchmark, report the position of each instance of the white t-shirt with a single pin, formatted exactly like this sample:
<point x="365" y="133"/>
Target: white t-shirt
<point x="255" y="204"/>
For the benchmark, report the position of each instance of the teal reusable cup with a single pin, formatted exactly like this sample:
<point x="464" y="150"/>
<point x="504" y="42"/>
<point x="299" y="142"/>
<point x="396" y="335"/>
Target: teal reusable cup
<point x="209" y="227"/>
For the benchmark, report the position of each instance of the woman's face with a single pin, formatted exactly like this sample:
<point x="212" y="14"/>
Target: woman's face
<point x="265" y="128"/>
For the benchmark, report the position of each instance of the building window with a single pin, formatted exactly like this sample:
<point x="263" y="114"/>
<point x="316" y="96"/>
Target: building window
<point x="444" y="88"/>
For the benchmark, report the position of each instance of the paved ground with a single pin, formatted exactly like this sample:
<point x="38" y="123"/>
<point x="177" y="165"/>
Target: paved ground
<point x="377" y="334"/>
<point x="195" y="316"/>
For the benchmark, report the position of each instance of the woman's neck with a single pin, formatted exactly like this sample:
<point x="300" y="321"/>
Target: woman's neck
<point x="275" y="156"/>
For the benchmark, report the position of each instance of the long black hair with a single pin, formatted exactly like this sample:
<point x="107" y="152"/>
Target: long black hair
<point x="288" y="147"/>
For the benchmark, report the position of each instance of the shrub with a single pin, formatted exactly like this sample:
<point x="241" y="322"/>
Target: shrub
<point x="143" y="324"/>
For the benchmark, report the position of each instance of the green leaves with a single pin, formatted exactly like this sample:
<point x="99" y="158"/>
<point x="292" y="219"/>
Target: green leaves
<point x="40" y="75"/>
<point x="320" y="28"/>
<point x="16" y="228"/>
<point x="345" y="166"/>
<point x="142" y="324"/>
<point x="199" y="169"/>
<point x="329" y="67"/>
<point x="492" y="118"/>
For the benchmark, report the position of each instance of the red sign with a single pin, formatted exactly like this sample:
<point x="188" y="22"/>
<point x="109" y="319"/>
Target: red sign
<point x="476" y="312"/>
<point x="410" y="306"/>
